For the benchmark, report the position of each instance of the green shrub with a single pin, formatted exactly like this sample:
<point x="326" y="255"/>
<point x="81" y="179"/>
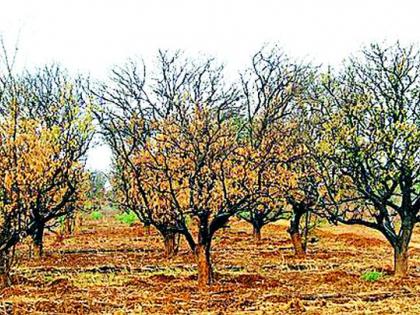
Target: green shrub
<point x="372" y="276"/>
<point x="127" y="217"/>
<point x="96" y="215"/>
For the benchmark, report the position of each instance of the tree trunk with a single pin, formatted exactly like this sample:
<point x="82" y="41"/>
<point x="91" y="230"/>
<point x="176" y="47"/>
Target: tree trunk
<point x="4" y="269"/>
<point x="295" y="234"/>
<point x="80" y="221"/>
<point x="401" y="249"/>
<point x="77" y="223"/>
<point x="68" y="226"/>
<point x="297" y="244"/>
<point x="171" y="248"/>
<point x="38" y="240"/>
<point x="257" y="233"/>
<point x="3" y="280"/>
<point x="205" y="271"/>
<point x="401" y="261"/>
<point x="306" y="230"/>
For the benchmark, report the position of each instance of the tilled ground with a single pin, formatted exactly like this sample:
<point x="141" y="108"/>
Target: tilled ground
<point x="108" y="267"/>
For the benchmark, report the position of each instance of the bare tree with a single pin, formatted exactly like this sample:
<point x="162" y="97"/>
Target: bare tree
<point x="369" y="151"/>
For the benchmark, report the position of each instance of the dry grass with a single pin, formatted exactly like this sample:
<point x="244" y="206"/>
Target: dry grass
<point x="111" y="268"/>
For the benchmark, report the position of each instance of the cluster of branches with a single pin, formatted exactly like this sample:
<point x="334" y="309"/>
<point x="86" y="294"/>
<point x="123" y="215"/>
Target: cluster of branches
<point x="191" y="151"/>
<point x="188" y="147"/>
<point x="45" y="131"/>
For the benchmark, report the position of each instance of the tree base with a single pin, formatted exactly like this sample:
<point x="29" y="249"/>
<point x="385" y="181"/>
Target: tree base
<point x="205" y="271"/>
<point x="171" y="246"/>
<point x="401" y="263"/>
<point x="297" y="244"/>
<point x="257" y="234"/>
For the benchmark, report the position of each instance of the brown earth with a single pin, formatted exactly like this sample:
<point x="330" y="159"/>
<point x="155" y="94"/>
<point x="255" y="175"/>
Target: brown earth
<point x="110" y="268"/>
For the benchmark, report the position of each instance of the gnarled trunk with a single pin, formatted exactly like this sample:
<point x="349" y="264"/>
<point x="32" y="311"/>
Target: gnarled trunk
<point x="205" y="270"/>
<point x="38" y="240"/>
<point x="295" y="233"/>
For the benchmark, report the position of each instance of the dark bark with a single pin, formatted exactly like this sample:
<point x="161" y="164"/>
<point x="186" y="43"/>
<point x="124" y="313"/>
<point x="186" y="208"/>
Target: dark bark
<point x="306" y="231"/>
<point x="4" y="269"/>
<point x="38" y="240"/>
<point x="189" y="239"/>
<point x="257" y="232"/>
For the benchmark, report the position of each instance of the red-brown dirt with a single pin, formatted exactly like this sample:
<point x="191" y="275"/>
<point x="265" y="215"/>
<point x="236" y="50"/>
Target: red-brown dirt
<point x="110" y="268"/>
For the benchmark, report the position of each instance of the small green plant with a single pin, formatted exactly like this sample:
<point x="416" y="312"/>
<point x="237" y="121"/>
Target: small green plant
<point x="372" y="276"/>
<point x="61" y="220"/>
<point x="127" y="217"/>
<point x="96" y="215"/>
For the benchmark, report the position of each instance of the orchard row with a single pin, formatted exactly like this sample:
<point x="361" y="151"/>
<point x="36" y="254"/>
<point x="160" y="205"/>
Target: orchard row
<point x="191" y="149"/>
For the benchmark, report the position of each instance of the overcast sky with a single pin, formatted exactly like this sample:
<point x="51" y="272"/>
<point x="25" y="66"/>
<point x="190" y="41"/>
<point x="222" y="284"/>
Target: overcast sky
<point x="92" y="35"/>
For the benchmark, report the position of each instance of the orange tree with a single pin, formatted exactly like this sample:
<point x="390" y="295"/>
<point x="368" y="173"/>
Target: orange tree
<point x="369" y="147"/>
<point x="124" y="116"/>
<point x="28" y="165"/>
<point x="274" y="87"/>
<point x="197" y="169"/>
<point x="60" y="104"/>
<point x="303" y="199"/>
<point x="177" y="148"/>
<point x="42" y="172"/>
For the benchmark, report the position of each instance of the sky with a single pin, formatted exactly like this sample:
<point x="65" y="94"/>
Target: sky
<point x="90" y="36"/>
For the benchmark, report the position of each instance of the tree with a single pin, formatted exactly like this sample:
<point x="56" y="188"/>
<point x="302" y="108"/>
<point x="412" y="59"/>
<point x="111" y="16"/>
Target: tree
<point x="124" y="115"/>
<point x="61" y="104"/>
<point x="369" y="148"/>
<point x="199" y="171"/>
<point x="42" y="161"/>
<point x="19" y="164"/>
<point x="274" y="88"/>
<point x="174" y="140"/>
<point x="27" y="153"/>
<point x="303" y="198"/>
